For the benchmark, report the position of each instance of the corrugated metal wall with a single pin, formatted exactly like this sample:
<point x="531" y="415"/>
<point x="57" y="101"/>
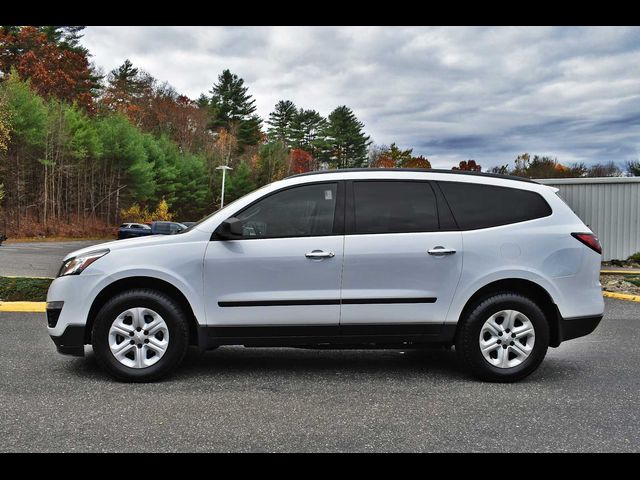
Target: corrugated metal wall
<point x="610" y="207"/>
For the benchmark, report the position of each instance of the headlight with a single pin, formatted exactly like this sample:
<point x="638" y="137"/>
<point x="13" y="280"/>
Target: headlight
<point x="76" y="265"/>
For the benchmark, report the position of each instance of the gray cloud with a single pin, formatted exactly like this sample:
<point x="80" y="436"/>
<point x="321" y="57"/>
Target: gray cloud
<point x="450" y="93"/>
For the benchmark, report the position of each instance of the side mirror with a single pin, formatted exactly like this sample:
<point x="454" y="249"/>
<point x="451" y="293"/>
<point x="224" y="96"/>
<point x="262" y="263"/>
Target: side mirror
<point x="230" y="229"/>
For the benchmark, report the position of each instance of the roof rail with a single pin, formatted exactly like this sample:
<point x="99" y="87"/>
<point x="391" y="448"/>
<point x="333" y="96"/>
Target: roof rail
<point x="422" y="170"/>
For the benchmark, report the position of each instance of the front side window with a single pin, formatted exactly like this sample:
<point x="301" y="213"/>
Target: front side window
<point x="481" y="206"/>
<point x="303" y="211"/>
<point x="394" y="207"/>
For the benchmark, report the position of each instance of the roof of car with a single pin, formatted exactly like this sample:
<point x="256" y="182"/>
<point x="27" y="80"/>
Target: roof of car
<point x="421" y="170"/>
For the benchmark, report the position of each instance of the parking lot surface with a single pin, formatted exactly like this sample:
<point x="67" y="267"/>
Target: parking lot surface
<point x="37" y="259"/>
<point x="585" y="397"/>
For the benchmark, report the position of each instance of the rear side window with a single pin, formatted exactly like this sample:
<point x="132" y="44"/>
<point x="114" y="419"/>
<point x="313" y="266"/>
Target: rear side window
<point x="394" y="207"/>
<point x="482" y="206"/>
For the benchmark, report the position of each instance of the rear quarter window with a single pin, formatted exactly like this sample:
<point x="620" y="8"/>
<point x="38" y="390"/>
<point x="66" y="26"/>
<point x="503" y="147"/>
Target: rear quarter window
<point x="482" y="206"/>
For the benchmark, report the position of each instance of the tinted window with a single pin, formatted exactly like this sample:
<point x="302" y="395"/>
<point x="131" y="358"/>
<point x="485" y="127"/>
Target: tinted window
<point x="296" y="212"/>
<point x="394" y="207"/>
<point x="481" y="206"/>
<point x="163" y="228"/>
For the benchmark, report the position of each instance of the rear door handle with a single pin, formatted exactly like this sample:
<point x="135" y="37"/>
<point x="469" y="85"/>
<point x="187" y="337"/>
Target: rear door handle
<point x="441" y="251"/>
<point x="319" y="254"/>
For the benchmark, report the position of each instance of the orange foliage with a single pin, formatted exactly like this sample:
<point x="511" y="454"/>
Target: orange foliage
<point x="54" y="72"/>
<point x="417" y="162"/>
<point x="301" y="161"/>
<point x="469" y="166"/>
<point x="384" y="161"/>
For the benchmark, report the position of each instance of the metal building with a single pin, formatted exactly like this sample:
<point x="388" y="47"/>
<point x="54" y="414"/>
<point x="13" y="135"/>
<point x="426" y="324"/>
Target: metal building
<point x="610" y="206"/>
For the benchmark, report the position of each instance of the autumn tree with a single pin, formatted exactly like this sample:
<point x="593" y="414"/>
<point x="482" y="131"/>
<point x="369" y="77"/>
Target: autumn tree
<point x="418" y="162"/>
<point x="5" y="135"/>
<point x="394" y="157"/>
<point x="162" y="213"/>
<point x="156" y="107"/>
<point x="127" y="91"/>
<point x="468" y="166"/>
<point x="5" y="125"/>
<point x="271" y="164"/>
<point x="344" y="144"/>
<point x="300" y="161"/>
<point x="232" y="108"/>
<point x="541" y="167"/>
<point x="52" y="60"/>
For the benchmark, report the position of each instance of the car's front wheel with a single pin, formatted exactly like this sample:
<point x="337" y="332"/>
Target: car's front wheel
<point x="140" y="335"/>
<point x="503" y="338"/>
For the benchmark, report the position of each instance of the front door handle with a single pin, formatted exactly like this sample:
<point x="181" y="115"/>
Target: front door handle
<point x="319" y="254"/>
<point x="440" y="251"/>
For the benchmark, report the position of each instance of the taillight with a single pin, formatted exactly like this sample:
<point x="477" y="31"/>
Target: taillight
<point x="590" y="240"/>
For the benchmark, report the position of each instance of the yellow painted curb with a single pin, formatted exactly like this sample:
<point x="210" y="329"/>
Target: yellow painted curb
<point x="618" y="272"/>
<point x="622" y="296"/>
<point x="33" y="307"/>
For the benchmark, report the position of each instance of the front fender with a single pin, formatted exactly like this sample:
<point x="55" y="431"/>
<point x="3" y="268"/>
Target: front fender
<point x="189" y="289"/>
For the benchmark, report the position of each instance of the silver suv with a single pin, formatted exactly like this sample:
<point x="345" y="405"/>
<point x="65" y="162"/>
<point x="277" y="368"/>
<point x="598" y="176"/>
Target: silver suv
<point x="498" y="266"/>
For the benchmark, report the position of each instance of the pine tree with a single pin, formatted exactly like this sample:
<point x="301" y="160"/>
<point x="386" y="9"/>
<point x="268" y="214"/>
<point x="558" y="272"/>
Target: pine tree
<point x="202" y="101"/>
<point x="233" y="108"/>
<point x="281" y="120"/>
<point x="345" y="144"/>
<point x="125" y="82"/>
<point x="306" y="129"/>
<point x="239" y="183"/>
<point x="66" y="37"/>
<point x="633" y="168"/>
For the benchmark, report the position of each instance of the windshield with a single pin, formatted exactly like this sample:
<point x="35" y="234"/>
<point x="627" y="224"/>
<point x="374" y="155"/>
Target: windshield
<point x="204" y="219"/>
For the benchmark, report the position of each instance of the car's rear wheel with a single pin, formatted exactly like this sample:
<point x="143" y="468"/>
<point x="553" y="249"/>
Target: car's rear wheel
<point x="140" y="335"/>
<point x="503" y="338"/>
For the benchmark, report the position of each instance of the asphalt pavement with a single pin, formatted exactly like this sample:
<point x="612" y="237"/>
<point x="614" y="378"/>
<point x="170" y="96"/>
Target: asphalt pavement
<point x="585" y="397"/>
<point x="37" y="259"/>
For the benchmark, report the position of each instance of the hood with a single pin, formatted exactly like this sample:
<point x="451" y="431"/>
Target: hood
<point x="132" y="243"/>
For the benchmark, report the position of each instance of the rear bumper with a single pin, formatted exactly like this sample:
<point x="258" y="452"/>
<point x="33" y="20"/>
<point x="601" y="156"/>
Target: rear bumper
<point x="569" y="328"/>
<point x="71" y="342"/>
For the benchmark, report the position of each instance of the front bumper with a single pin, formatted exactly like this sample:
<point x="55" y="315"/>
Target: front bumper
<point x="71" y="342"/>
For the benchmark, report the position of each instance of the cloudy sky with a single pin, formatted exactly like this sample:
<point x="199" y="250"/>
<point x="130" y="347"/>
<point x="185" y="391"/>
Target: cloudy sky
<point x="449" y="93"/>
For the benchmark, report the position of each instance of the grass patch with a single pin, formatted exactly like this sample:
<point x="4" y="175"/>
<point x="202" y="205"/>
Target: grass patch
<point x="635" y="280"/>
<point x="24" y="289"/>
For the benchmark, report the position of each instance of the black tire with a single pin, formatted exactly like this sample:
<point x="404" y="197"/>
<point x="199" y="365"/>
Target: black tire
<point x="171" y="313"/>
<point x="468" y="333"/>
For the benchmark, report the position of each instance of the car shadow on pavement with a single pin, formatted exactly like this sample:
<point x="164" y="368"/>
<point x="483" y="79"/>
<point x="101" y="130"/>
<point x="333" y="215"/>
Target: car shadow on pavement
<point x="236" y="363"/>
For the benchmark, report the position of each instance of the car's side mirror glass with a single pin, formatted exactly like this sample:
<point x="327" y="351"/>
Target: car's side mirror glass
<point x="230" y="229"/>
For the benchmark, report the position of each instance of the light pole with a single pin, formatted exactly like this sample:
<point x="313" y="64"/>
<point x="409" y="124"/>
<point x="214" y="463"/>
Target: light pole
<point x="224" y="169"/>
